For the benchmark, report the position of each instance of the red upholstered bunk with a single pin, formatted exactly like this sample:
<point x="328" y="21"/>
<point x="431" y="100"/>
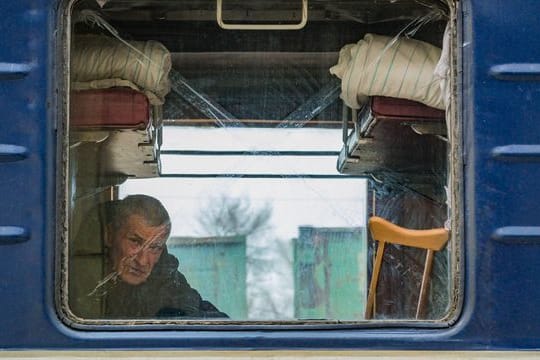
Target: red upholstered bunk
<point x="386" y="108"/>
<point x="120" y="108"/>
<point x="115" y="125"/>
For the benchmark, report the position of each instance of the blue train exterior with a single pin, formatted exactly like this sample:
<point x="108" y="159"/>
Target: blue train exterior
<point x="498" y="74"/>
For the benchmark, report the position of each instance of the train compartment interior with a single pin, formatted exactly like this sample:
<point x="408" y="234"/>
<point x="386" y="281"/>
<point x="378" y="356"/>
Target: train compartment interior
<point x="364" y="85"/>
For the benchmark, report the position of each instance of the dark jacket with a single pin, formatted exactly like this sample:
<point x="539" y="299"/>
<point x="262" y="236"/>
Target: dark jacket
<point x="166" y="293"/>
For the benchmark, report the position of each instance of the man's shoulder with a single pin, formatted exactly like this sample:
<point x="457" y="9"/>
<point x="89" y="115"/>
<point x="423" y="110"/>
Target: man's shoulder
<point x="167" y="271"/>
<point x="168" y="261"/>
<point x="176" y="296"/>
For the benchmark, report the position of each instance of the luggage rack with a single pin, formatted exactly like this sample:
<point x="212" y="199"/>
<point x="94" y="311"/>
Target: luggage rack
<point x="120" y="128"/>
<point x="387" y="137"/>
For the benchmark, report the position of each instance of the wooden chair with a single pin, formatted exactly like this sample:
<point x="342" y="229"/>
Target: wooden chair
<point x="384" y="232"/>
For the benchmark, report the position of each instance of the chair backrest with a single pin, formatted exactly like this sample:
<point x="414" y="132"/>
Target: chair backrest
<point x="384" y="230"/>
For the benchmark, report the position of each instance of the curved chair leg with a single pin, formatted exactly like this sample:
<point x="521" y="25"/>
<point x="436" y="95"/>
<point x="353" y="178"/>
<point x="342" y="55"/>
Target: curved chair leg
<point x="374" y="280"/>
<point x="425" y="284"/>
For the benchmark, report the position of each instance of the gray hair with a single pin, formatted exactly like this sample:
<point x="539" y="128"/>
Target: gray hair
<point x="151" y="209"/>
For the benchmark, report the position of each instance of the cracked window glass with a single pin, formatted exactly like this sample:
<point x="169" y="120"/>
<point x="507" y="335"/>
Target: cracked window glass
<point x="268" y="162"/>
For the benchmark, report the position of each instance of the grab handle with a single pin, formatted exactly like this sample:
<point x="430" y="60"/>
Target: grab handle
<point x="229" y="26"/>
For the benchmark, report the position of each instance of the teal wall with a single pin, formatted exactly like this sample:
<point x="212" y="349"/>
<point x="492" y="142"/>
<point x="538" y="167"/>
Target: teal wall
<point x="330" y="273"/>
<point x="216" y="267"/>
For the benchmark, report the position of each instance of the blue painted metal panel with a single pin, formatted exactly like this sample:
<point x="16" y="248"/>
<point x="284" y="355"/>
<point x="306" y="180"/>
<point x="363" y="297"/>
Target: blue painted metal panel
<point x="9" y="153"/>
<point x="26" y="185"/>
<point x="13" y="235"/>
<point x="500" y="109"/>
<point x="500" y="297"/>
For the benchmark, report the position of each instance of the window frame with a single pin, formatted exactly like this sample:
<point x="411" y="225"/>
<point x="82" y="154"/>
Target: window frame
<point x="456" y="266"/>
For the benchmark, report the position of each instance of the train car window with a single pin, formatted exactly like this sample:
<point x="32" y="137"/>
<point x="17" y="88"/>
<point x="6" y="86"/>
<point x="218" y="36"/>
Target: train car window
<point x="260" y="162"/>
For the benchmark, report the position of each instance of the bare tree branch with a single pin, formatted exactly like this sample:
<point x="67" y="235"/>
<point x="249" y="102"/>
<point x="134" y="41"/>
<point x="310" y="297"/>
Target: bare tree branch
<point x="228" y="216"/>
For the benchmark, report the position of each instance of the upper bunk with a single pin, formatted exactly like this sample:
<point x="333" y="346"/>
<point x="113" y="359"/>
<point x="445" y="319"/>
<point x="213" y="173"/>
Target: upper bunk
<point x="258" y="78"/>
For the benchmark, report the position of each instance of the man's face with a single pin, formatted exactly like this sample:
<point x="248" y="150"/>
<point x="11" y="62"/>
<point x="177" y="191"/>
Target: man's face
<point x="135" y="249"/>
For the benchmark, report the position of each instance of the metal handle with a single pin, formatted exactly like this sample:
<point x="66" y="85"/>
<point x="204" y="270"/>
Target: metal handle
<point x="228" y="26"/>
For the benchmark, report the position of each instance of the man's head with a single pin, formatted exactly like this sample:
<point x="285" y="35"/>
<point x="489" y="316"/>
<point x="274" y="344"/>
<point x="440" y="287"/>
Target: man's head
<point x="138" y="227"/>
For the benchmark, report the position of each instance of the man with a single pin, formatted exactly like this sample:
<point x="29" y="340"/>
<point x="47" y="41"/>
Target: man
<point x="143" y="279"/>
